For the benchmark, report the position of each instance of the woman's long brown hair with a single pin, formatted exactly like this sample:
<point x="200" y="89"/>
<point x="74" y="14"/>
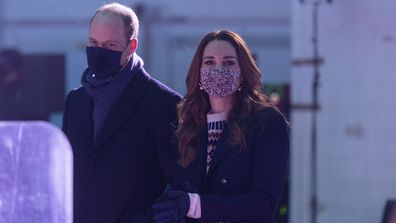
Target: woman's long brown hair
<point x="193" y="109"/>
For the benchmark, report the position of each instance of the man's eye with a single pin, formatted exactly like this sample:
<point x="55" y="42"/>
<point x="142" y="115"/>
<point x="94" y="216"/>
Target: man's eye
<point x="111" y="46"/>
<point x="92" y="43"/>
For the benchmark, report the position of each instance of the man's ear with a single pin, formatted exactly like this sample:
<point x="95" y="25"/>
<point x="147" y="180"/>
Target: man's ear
<point x="133" y="45"/>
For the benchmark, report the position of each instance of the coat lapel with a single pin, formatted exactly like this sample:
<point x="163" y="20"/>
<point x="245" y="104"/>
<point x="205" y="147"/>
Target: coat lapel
<point x="201" y="160"/>
<point x="124" y="107"/>
<point x="86" y="131"/>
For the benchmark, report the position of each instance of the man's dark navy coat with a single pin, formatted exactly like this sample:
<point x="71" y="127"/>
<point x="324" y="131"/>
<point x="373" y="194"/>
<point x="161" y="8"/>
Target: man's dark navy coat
<point x="117" y="178"/>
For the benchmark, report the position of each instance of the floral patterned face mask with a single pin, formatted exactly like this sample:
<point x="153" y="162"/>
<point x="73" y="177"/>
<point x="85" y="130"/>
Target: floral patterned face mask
<point x="219" y="81"/>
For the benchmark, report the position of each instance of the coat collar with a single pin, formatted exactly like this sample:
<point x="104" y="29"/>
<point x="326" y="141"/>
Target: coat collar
<point x="122" y="109"/>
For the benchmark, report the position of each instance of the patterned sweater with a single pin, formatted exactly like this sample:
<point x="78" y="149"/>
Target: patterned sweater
<point x="216" y="123"/>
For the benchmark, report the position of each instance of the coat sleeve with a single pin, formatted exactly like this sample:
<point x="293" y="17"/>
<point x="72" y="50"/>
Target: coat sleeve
<point x="164" y="125"/>
<point x="269" y="169"/>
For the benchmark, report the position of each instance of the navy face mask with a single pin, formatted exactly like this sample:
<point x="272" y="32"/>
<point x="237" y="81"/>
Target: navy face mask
<point x="103" y="62"/>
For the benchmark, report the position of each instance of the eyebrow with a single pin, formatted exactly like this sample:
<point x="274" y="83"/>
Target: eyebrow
<point x="111" y="41"/>
<point x="229" y="57"/>
<point x="107" y="41"/>
<point x="226" y="57"/>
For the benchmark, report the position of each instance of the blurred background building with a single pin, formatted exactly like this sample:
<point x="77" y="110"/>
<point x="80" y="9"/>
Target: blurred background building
<point x="356" y="143"/>
<point x="356" y="146"/>
<point x="170" y="32"/>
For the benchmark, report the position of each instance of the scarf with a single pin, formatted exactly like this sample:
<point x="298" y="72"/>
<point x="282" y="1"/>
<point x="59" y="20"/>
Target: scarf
<point x="105" y="92"/>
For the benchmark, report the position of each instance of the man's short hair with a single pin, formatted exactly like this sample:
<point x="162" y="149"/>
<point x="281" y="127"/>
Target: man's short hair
<point x="128" y="16"/>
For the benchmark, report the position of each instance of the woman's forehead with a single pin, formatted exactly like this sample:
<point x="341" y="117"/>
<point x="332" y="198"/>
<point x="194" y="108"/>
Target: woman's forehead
<point x="219" y="48"/>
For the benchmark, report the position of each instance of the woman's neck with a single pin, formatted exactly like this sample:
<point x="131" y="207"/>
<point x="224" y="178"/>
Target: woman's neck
<point x="221" y="104"/>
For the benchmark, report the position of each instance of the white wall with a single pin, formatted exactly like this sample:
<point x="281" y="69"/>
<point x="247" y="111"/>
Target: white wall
<point x="356" y="142"/>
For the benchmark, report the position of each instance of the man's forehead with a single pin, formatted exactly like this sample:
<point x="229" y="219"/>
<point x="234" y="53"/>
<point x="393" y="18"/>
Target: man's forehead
<point x="103" y="17"/>
<point x="107" y="27"/>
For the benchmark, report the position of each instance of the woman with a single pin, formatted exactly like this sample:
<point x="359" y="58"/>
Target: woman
<point x="233" y="145"/>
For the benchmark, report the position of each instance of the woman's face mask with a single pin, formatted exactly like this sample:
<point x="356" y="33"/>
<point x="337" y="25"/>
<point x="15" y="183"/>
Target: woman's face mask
<point x="219" y="81"/>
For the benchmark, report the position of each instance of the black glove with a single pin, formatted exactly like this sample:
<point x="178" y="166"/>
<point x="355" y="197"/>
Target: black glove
<point x="172" y="207"/>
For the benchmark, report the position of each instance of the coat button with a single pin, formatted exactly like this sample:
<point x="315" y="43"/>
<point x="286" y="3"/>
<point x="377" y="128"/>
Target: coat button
<point x="223" y="181"/>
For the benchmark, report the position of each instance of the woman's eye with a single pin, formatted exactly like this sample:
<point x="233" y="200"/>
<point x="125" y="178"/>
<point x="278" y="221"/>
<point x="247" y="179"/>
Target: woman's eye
<point x="229" y="63"/>
<point x="208" y="62"/>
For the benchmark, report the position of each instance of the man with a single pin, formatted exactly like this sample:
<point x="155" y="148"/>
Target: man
<point x="120" y="124"/>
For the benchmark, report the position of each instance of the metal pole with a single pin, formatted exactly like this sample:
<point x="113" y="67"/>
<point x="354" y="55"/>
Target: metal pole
<point x="315" y="104"/>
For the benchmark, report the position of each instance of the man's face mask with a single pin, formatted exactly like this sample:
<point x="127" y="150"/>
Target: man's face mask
<point x="103" y="62"/>
<point x="220" y="81"/>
